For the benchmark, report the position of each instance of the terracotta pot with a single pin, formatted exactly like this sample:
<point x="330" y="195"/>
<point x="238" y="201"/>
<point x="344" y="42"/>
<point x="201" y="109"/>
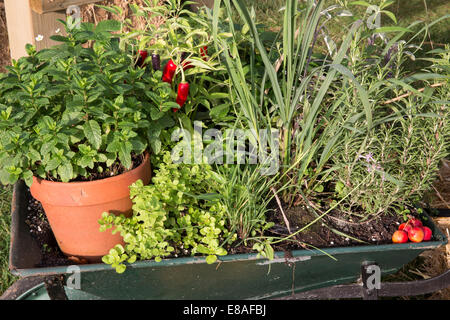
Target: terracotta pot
<point x="74" y="208"/>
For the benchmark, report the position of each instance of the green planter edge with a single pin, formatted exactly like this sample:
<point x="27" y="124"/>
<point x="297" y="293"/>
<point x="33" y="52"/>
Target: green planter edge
<point x="238" y="276"/>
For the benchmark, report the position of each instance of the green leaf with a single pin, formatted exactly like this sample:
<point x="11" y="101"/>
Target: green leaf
<point x="205" y="196"/>
<point x="361" y="3"/>
<point x="59" y="38"/>
<point x="319" y="188"/>
<point x="112" y="9"/>
<point x="86" y="161"/>
<point x="165" y="122"/>
<point x="108" y="25"/>
<point x="107" y="259"/>
<point x="52" y="164"/>
<point x="121" y="268"/>
<point x="220" y="111"/>
<point x="211" y="259"/>
<point x="339" y="187"/>
<point x="155" y="144"/>
<point x="28" y="177"/>
<point x="132" y="259"/>
<point x="390" y="15"/>
<point x="71" y="118"/>
<point x="101" y="157"/>
<point x="138" y="145"/>
<point x="125" y="154"/>
<point x="47" y="147"/>
<point x="111" y="158"/>
<point x="392" y="29"/>
<point x="34" y="155"/>
<point x="387" y="4"/>
<point x="219" y="95"/>
<point x="65" y="172"/>
<point x="93" y="133"/>
<point x="269" y="251"/>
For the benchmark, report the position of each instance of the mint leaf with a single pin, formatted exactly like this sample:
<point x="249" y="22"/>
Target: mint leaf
<point x="108" y="25"/>
<point x="93" y="133"/>
<point x="65" y="172"/>
<point x="125" y="154"/>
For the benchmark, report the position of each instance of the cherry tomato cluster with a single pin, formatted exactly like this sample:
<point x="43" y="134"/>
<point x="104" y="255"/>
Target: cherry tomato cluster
<point x="413" y="230"/>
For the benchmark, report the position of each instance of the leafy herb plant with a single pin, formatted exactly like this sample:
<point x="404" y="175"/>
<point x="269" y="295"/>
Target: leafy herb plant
<point x="178" y="214"/>
<point x="401" y="153"/>
<point x="178" y="42"/>
<point x="74" y="110"/>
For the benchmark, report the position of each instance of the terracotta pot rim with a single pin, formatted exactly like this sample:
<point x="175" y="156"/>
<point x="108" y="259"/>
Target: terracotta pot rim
<point x="109" y="179"/>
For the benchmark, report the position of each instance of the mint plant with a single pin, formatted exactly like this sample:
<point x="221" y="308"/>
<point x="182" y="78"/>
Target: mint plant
<point x="74" y="110"/>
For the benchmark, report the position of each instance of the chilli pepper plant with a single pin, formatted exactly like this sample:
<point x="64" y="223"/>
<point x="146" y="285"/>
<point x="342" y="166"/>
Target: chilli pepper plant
<point x="178" y="45"/>
<point x="201" y="86"/>
<point x="183" y="92"/>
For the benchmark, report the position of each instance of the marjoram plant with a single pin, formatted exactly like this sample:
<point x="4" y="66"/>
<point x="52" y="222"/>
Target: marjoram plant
<point x="178" y="214"/>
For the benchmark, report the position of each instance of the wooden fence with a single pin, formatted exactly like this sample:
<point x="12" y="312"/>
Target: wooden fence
<point x="34" y="21"/>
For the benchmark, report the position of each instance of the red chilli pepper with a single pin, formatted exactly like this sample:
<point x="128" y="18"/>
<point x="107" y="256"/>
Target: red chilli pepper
<point x="169" y="71"/>
<point x="142" y="56"/>
<point x="204" y="52"/>
<point x="186" y="65"/>
<point x="183" y="92"/>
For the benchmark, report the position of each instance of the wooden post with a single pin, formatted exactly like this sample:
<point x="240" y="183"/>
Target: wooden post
<point x="26" y="26"/>
<point x="20" y="26"/>
<point x="45" y="6"/>
<point x="34" y="21"/>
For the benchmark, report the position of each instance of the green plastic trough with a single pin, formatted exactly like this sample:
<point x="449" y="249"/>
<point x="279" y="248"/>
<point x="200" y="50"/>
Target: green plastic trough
<point x="240" y="276"/>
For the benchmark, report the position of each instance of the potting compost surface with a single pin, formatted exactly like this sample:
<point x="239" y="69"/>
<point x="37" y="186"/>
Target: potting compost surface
<point x="40" y="230"/>
<point x="319" y="235"/>
<point x="99" y="172"/>
<point x="334" y="230"/>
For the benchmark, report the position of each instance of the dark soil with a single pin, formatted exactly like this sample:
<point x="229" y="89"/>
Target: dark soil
<point x="115" y="169"/>
<point x="40" y="230"/>
<point x="378" y="231"/>
<point x="100" y="171"/>
<point x="439" y="195"/>
<point x="322" y="234"/>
